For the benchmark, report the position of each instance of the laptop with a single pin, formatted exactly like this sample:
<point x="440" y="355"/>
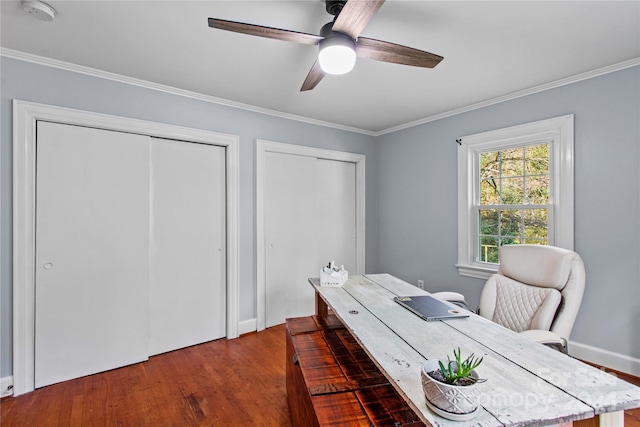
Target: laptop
<point x="430" y="308"/>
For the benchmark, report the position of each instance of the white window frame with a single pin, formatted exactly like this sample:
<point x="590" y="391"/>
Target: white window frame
<point x="558" y="133"/>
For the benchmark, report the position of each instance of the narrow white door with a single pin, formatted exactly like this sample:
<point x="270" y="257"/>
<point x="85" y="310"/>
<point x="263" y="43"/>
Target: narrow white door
<point x="336" y="208"/>
<point x="291" y="230"/>
<point x="310" y="219"/>
<point x="188" y="245"/>
<point x="92" y="250"/>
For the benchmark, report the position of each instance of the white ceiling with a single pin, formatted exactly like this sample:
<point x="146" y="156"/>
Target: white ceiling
<point x="490" y="49"/>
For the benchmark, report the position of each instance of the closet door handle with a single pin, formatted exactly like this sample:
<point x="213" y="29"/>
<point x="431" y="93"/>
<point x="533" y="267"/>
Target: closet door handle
<point x="48" y="265"/>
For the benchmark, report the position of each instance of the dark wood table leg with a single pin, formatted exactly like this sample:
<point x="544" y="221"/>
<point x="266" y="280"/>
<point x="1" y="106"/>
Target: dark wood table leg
<point x="321" y="307"/>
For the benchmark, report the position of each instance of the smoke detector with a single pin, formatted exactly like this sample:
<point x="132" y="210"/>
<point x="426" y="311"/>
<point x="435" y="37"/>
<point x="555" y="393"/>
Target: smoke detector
<point x="38" y="9"/>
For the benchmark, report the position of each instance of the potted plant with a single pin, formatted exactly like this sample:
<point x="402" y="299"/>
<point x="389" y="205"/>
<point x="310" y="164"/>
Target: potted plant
<point x="449" y="386"/>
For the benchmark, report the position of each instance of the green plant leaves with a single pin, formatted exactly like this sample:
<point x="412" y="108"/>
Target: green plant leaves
<point x="459" y="369"/>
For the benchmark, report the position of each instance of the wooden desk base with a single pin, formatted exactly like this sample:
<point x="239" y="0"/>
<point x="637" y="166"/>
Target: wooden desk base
<point x="331" y="381"/>
<point x="321" y="307"/>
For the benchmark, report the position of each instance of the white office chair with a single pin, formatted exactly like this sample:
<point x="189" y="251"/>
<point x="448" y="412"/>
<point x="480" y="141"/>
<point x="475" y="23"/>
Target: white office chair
<point x="537" y="291"/>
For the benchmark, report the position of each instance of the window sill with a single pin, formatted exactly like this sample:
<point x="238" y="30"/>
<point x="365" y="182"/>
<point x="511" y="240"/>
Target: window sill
<point x="475" y="271"/>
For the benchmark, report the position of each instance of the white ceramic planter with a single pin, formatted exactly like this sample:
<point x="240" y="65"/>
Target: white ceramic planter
<point x="458" y="403"/>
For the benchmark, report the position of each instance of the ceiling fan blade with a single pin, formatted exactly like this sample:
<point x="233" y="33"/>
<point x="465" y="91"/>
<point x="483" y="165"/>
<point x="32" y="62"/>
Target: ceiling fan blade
<point x="355" y="15"/>
<point x="313" y="78"/>
<point x="268" y="32"/>
<point x="395" y="53"/>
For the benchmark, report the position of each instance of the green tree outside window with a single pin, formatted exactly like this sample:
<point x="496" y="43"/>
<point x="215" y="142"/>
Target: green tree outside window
<point x="514" y="198"/>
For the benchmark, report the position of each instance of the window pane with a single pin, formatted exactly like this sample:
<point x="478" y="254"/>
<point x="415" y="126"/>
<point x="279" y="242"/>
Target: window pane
<point x="490" y="165"/>
<point x="537" y="159"/>
<point x="513" y="176"/>
<point x="513" y="162"/>
<point x="536" y="223"/>
<point x="489" y="221"/>
<point x="537" y="190"/>
<point x="489" y="249"/>
<point x="489" y="192"/>
<point x="510" y="241"/>
<point x="511" y="222"/>
<point x="512" y="191"/>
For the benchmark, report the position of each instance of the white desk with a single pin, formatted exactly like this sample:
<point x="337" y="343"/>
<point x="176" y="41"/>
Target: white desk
<point x="527" y="384"/>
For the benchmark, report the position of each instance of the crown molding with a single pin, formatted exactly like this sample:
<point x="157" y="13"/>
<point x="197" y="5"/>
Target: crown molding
<point x="94" y="72"/>
<point x="28" y="57"/>
<point x="519" y="94"/>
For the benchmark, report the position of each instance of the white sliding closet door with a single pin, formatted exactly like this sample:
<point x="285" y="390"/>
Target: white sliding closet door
<point x="309" y="220"/>
<point x="130" y="248"/>
<point x="92" y="250"/>
<point x="188" y="246"/>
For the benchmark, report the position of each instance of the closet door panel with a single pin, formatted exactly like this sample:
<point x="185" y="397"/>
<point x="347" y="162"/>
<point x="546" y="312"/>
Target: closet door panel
<point x="92" y="238"/>
<point x="336" y="210"/>
<point x="291" y="230"/>
<point x="188" y="244"/>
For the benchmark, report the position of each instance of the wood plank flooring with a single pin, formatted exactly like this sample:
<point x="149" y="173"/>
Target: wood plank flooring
<point x="237" y="382"/>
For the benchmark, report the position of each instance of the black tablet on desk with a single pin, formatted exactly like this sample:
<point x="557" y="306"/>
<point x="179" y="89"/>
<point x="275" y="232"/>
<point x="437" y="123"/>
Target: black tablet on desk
<point x="430" y="308"/>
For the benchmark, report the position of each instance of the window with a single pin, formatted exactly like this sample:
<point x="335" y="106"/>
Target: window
<point x="513" y="205"/>
<point x="515" y="186"/>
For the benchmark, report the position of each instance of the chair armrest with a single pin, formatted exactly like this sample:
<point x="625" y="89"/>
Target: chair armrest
<point x="547" y="338"/>
<point x="449" y="296"/>
<point x="453" y="298"/>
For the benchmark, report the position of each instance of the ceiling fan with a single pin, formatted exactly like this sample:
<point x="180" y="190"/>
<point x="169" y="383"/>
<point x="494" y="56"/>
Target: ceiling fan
<point x="338" y="40"/>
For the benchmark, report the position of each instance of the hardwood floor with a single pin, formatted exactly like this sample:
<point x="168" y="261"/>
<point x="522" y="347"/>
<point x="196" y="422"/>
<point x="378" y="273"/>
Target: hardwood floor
<point x="237" y="382"/>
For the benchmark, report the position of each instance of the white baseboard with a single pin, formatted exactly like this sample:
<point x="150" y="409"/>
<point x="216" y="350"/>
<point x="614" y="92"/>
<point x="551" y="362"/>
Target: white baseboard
<point x="6" y="386"/>
<point x="609" y="359"/>
<point x="247" y="326"/>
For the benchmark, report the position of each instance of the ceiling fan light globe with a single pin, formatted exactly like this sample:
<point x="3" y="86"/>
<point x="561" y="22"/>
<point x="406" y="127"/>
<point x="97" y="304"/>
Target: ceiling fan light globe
<point x="337" y="55"/>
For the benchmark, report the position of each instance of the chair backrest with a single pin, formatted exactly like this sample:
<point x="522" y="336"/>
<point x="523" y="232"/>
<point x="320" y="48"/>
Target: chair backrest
<point x="536" y="287"/>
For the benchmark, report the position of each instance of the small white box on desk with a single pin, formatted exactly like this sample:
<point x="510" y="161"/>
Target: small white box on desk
<point x="334" y="278"/>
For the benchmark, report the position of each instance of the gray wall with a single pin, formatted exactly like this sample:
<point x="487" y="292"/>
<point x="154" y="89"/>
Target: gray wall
<point x="36" y="83"/>
<point x="417" y="194"/>
<point x="411" y="184"/>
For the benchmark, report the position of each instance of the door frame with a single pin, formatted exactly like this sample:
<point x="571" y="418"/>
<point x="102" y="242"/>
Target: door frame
<point x="25" y="117"/>
<point x="262" y="148"/>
